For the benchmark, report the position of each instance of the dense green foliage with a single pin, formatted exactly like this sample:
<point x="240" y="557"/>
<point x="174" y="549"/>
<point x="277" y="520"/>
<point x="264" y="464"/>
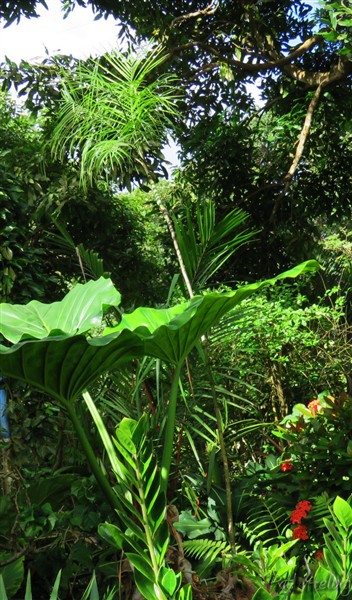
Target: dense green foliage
<point x="188" y="436"/>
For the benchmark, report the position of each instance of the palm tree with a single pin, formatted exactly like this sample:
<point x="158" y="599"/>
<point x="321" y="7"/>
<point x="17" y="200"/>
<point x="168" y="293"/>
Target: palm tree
<point x="114" y="115"/>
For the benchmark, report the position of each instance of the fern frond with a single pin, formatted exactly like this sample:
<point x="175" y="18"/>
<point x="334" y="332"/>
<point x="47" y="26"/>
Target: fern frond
<point x="208" y="550"/>
<point x="266" y="520"/>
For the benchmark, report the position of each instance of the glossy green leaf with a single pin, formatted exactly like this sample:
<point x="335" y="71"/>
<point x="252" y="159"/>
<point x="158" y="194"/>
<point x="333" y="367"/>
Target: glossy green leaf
<point x="306" y="594"/>
<point x="192" y="527"/>
<point x="147" y="588"/>
<point x="64" y="366"/>
<point x="12" y="574"/>
<point x="91" y="592"/>
<point x="141" y="564"/>
<point x="161" y="541"/>
<point x="170" y="334"/>
<point x="111" y="534"/>
<point x="185" y="593"/>
<point x="79" y="311"/>
<point x="332" y="558"/>
<point x="343" y="512"/>
<point x="325" y="584"/>
<point x="168" y="581"/>
<point x="55" y="592"/>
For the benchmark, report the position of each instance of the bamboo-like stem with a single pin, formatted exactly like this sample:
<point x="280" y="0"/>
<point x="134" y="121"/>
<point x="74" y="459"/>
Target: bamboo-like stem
<point x="181" y="263"/>
<point x="170" y="429"/>
<point x="93" y="463"/>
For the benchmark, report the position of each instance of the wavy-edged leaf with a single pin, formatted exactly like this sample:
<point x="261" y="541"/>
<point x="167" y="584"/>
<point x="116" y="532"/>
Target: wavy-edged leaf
<point x="64" y="365"/>
<point x="78" y="312"/>
<point x="170" y="334"/>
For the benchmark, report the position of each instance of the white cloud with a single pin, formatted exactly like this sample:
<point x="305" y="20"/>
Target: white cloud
<point x="78" y="34"/>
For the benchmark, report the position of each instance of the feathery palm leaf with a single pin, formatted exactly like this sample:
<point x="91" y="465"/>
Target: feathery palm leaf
<point x="113" y="116"/>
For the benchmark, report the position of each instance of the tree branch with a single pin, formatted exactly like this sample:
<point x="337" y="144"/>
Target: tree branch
<point x="310" y="78"/>
<point x="299" y="150"/>
<point x="208" y="10"/>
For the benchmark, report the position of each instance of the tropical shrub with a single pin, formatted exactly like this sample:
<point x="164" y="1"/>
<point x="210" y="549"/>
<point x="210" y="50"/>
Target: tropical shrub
<point x="50" y="350"/>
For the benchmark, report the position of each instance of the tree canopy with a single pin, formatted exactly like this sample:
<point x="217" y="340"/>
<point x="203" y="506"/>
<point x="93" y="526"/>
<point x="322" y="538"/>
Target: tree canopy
<point x="283" y="158"/>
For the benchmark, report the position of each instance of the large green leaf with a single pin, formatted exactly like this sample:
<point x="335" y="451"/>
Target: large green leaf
<point x="79" y="311"/>
<point x="170" y="334"/>
<point x="64" y="365"/>
<point x="343" y="512"/>
<point x="12" y="574"/>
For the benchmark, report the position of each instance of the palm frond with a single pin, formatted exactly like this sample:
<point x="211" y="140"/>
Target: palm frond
<point x="205" y="252"/>
<point x="241" y="429"/>
<point x="114" y="114"/>
<point x="89" y="261"/>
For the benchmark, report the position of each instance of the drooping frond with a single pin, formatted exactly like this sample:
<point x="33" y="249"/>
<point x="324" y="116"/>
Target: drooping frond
<point x="113" y="115"/>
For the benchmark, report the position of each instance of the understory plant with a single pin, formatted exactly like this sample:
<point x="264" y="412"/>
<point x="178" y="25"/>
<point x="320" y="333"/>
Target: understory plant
<point x="63" y="348"/>
<point x="328" y="577"/>
<point x="288" y="496"/>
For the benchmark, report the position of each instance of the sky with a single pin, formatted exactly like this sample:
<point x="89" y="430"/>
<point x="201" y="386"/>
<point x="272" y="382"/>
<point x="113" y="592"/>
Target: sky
<point x="78" y="34"/>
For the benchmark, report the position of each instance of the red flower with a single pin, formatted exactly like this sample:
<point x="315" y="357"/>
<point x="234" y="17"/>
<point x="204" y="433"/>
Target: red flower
<point x="300" y="533"/>
<point x="319" y="555"/>
<point x="297" y="516"/>
<point x="286" y="465"/>
<point x="304" y="505"/>
<point x="301" y="511"/>
<point x="314" y="406"/>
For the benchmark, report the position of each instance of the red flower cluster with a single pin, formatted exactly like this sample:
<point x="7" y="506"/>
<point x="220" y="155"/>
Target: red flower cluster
<point x="314" y="406"/>
<point x="319" y="555"/>
<point x="286" y="465"/>
<point x="300" y="533"/>
<point x="302" y="509"/>
<point x="300" y="512"/>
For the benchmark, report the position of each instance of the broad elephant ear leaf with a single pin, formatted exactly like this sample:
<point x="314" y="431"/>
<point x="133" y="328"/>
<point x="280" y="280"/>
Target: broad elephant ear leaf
<point x="79" y="311"/>
<point x="64" y="365"/>
<point x="170" y="334"/>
